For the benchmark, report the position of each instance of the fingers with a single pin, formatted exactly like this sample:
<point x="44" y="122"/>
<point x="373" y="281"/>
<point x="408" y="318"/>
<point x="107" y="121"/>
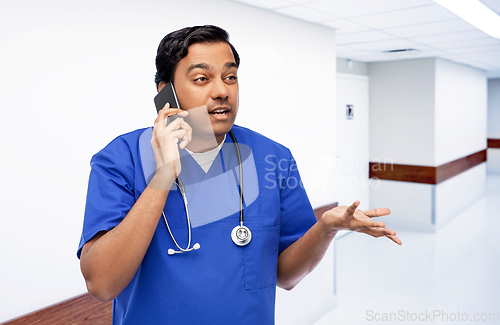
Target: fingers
<point x="188" y="135"/>
<point x="162" y="115"/>
<point x="377" y="212"/>
<point x="364" y="221"/>
<point x="160" y="123"/>
<point x="176" y="124"/>
<point x="381" y="232"/>
<point x="167" y="112"/>
<point x="361" y="222"/>
<point x="166" y="137"/>
<point x="177" y="111"/>
<point x="356" y="219"/>
<point x="179" y="134"/>
<point x="182" y="132"/>
<point x="377" y="231"/>
<point x="395" y="239"/>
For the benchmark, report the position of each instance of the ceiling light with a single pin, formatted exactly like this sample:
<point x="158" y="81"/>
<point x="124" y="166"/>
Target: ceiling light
<point x="401" y="50"/>
<point x="475" y="13"/>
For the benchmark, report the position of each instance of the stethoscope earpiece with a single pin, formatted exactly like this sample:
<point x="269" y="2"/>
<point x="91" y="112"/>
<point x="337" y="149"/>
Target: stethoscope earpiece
<point x="172" y="252"/>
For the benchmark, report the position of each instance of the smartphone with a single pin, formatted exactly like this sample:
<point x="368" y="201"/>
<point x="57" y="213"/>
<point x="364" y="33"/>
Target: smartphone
<point x="167" y="95"/>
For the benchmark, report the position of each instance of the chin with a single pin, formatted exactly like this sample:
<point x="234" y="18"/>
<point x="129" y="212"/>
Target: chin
<point x="221" y="128"/>
<point x="221" y="131"/>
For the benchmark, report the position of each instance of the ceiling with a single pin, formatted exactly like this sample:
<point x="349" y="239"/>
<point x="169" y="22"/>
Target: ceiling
<point x="367" y="29"/>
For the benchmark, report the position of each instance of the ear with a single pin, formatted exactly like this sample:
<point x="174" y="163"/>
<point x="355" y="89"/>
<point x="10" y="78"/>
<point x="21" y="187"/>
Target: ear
<point x="161" y="85"/>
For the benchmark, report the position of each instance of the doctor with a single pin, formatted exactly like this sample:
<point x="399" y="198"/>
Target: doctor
<point x="133" y="218"/>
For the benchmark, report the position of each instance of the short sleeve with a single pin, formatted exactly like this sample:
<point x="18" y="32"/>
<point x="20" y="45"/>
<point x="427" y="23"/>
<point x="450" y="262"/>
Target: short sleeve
<point x="110" y="194"/>
<point x="297" y="214"/>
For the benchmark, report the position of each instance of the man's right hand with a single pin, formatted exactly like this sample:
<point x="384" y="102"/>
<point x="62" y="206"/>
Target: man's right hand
<point x="166" y="141"/>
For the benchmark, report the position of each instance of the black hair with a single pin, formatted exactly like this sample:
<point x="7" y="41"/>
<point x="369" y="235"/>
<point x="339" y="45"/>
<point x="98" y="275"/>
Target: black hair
<point x="174" y="47"/>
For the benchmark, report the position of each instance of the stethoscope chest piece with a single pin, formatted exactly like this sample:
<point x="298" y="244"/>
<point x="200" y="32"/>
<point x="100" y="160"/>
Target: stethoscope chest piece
<point x="241" y="235"/>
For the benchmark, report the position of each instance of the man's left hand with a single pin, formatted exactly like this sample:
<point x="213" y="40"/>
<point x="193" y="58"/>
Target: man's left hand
<point x="350" y="218"/>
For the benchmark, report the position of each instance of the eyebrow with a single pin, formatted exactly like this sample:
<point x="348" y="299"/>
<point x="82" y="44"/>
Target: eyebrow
<point x="208" y="67"/>
<point x="230" y="65"/>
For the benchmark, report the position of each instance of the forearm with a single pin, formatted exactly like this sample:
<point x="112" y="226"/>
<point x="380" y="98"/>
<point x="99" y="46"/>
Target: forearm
<point x="110" y="263"/>
<point x="300" y="258"/>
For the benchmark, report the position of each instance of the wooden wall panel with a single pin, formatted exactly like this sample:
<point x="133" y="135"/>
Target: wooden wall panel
<point x="403" y="173"/>
<point x="493" y="143"/>
<point x="458" y="166"/>
<point x="426" y="174"/>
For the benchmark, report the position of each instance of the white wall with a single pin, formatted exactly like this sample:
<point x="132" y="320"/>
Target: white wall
<point x="402" y="111"/>
<point x="494" y="108"/>
<point x="287" y="91"/>
<point x="75" y="74"/>
<point x="426" y="112"/>
<point x="426" y="207"/>
<point x="460" y="130"/>
<point x="352" y="67"/>
<point x="493" y="160"/>
<point x="494" y="124"/>
<point x="352" y="147"/>
<point x="435" y="107"/>
<point x="456" y="194"/>
<point x="411" y="204"/>
<point x="460" y="111"/>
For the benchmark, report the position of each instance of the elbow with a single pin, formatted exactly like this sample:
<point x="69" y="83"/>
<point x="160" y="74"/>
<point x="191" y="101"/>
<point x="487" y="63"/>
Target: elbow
<point x="97" y="285"/>
<point x="99" y="292"/>
<point x="287" y="287"/>
<point x="286" y="284"/>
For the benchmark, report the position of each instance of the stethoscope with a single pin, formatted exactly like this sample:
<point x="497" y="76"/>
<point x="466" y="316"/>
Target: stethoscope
<point x="240" y="234"/>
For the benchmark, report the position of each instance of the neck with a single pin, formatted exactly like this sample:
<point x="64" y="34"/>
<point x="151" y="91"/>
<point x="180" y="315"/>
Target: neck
<point x="200" y="145"/>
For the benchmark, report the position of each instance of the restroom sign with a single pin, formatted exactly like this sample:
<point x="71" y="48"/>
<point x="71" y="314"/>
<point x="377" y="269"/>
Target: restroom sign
<point x="349" y="112"/>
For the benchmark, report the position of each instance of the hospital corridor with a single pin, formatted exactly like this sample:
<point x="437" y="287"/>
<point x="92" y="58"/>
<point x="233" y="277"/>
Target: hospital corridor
<point x="432" y="277"/>
<point x="279" y="112"/>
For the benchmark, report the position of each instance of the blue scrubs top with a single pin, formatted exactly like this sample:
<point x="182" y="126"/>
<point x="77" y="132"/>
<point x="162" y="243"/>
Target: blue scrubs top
<point x="221" y="283"/>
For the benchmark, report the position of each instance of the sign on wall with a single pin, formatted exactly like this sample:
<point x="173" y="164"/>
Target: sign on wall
<point x="349" y="112"/>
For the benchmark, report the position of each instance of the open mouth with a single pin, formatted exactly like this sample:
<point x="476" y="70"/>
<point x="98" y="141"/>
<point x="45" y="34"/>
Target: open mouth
<point x="220" y="111"/>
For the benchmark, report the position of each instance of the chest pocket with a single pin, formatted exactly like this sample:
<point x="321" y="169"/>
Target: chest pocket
<point x="261" y="257"/>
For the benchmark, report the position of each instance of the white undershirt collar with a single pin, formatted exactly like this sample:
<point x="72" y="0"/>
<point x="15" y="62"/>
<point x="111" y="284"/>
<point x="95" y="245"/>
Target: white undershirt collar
<point x="206" y="159"/>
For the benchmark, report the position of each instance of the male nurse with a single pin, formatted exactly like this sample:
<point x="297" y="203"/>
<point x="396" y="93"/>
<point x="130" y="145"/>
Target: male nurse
<point x="135" y="213"/>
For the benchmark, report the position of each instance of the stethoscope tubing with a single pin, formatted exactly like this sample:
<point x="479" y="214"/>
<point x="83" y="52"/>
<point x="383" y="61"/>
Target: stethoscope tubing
<point x="240" y="165"/>
<point x="182" y="189"/>
<point x="235" y="238"/>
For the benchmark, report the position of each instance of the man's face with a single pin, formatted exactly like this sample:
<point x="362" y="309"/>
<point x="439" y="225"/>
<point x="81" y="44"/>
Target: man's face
<point x="207" y="76"/>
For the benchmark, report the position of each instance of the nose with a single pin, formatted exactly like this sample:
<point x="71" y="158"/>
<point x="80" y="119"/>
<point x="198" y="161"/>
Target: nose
<point x="219" y="89"/>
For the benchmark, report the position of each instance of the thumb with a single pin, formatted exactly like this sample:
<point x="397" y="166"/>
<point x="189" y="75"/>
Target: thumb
<point x="351" y="209"/>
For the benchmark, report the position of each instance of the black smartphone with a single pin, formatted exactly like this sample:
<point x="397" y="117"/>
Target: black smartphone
<point x="167" y="95"/>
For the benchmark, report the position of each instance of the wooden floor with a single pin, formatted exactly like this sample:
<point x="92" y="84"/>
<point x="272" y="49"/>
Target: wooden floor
<point x="79" y="310"/>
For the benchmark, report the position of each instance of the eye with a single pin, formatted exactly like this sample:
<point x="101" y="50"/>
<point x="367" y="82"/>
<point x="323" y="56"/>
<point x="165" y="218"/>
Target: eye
<point x="202" y="79"/>
<point x="231" y="79"/>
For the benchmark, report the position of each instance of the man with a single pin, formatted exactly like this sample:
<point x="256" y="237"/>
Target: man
<point x="125" y="244"/>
